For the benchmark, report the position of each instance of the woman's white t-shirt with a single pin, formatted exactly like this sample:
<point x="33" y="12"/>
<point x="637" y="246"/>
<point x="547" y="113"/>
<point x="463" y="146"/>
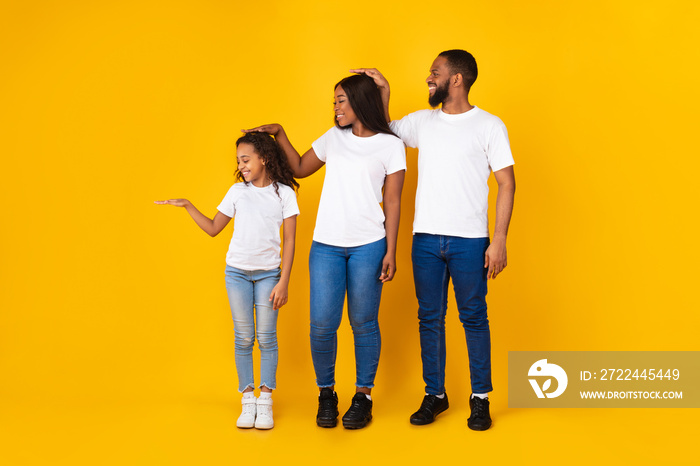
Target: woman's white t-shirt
<point x="258" y="213"/>
<point x="349" y="213"/>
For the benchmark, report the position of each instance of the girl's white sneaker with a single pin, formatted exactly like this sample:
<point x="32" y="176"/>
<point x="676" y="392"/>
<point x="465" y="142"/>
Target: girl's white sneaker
<point x="264" y="419"/>
<point x="247" y="418"/>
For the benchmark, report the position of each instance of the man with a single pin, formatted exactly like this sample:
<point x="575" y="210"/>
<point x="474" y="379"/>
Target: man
<point x="458" y="146"/>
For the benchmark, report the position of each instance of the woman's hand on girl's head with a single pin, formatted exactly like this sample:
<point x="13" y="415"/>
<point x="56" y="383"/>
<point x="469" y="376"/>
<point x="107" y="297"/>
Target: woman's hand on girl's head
<point x="174" y="202"/>
<point x="272" y="129"/>
<point x="279" y="295"/>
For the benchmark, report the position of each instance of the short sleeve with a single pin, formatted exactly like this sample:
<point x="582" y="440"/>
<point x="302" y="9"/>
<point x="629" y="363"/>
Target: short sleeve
<point x="290" y="207"/>
<point x="498" y="151"/>
<point x="397" y="157"/>
<point x="320" y="145"/>
<point x="228" y="204"/>
<point x="405" y="129"/>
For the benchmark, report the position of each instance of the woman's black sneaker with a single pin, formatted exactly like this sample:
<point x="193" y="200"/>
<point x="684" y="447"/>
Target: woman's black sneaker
<point x="360" y="412"/>
<point x="327" y="408"/>
<point x="429" y="409"/>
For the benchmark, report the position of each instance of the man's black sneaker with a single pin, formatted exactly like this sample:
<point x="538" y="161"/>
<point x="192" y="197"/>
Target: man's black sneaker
<point x="327" y="408"/>
<point x="480" y="418"/>
<point x="360" y="412"/>
<point x="429" y="409"/>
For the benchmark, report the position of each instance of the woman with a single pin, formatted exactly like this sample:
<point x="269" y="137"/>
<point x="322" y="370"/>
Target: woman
<point x="354" y="244"/>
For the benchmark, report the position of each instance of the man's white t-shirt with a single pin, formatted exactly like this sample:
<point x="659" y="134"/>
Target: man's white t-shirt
<point x="456" y="154"/>
<point x="258" y="215"/>
<point x="349" y="213"/>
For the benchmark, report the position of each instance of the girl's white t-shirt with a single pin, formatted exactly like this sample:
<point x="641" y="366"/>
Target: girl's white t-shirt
<point x="258" y="215"/>
<point x="349" y="213"/>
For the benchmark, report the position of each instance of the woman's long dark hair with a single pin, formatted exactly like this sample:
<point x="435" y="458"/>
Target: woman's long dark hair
<point x="366" y="101"/>
<point x="276" y="164"/>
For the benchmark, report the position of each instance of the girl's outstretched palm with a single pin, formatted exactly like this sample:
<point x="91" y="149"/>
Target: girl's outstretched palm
<point x="174" y="202"/>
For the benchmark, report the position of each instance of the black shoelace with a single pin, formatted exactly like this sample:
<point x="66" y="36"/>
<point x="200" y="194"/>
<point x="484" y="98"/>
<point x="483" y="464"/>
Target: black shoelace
<point x="429" y="402"/>
<point x="478" y="407"/>
<point x="359" y="405"/>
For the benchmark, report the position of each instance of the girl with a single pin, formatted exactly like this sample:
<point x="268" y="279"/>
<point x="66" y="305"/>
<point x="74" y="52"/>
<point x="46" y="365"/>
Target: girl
<point x="354" y="247"/>
<point x="263" y="201"/>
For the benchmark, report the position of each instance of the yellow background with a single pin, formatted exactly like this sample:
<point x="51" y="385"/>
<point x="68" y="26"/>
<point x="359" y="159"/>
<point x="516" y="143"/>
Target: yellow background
<point x="116" y="343"/>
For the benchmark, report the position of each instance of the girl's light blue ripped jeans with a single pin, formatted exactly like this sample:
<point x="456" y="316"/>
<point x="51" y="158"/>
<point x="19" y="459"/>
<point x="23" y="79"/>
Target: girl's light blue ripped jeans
<point x="248" y="295"/>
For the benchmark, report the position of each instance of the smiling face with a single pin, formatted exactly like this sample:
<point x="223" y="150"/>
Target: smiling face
<point x="438" y="82"/>
<point x="251" y="165"/>
<point x="344" y="114"/>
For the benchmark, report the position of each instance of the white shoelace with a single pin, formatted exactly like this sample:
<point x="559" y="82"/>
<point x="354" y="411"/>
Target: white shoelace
<point x="264" y="410"/>
<point x="249" y="408"/>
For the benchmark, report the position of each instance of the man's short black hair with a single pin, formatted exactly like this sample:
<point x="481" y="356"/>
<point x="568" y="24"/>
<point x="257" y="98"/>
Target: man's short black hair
<point x="462" y="62"/>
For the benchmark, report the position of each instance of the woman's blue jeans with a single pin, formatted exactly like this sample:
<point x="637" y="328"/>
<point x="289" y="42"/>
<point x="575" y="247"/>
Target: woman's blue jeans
<point x="248" y="296"/>
<point x="334" y="271"/>
<point x="436" y="259"/>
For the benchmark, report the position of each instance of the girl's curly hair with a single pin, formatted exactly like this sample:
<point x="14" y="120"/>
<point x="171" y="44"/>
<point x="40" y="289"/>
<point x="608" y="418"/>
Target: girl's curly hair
<point x="276" y="164"/>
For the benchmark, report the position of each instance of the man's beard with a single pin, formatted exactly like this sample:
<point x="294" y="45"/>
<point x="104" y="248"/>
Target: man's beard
<point x="440" y="95"/>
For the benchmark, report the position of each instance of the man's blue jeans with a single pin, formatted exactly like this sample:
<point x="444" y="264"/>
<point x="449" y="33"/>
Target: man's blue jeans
<point x="334" y="270"/>
<point x="249" y="298"/>
<point x="436" y="259"/>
